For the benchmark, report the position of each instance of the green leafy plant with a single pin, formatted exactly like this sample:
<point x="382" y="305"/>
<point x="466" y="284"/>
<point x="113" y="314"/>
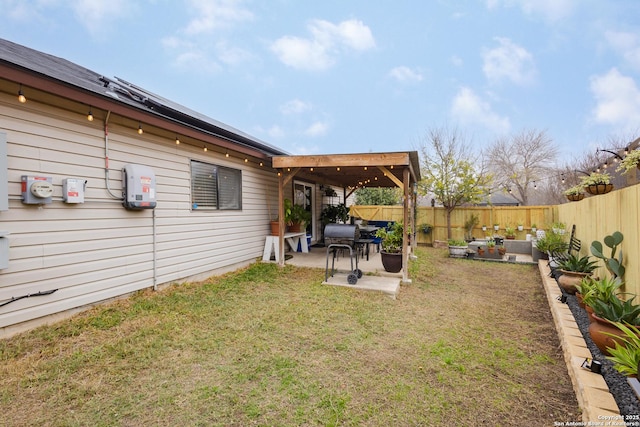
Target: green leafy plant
<point x="551" y="240"/>
<point x="617" y="310"/>
<point x="574" y="191"/>
<point x="626" y="353"/>
<point x="603" y="289"/>
<point x="510" y="231"/>
<point x="426" y="228"/>
<point x="491" y="243"/>
<point x="454" y="242"/>
<point x="595" y="178"/>
<point x="630" y="162"/>
<point x="298" y="214"/>
<point x="578" y="264"/>
<point x="391" y="240"/>
<point x="470" y="224"/>
<point x="612" y="263"/>
<point x="334" y="214"/>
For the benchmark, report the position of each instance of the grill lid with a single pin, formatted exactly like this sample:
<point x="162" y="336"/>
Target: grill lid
<point x="341" y="232"/>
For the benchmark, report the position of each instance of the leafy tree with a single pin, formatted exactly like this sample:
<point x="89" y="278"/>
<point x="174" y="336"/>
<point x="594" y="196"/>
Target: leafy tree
<point x="378" y="196"/>
<point x="520" y="160"/>
<point x="448" y="172"/>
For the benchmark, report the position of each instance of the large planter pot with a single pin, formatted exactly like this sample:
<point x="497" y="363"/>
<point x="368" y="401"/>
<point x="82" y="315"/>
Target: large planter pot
<point x="570" y="279"/>
<point x="598" y="329"/>
<point x="575" y="197"/>
<point x="458" y="251"/>
<point x="599" y="188"/>
<point x="391" y="261"/>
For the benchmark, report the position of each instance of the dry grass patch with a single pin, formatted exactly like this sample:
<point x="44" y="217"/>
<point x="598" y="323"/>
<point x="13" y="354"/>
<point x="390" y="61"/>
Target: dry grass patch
<point x="468" y="343"/>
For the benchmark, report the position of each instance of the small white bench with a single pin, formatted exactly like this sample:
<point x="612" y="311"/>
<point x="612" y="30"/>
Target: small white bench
<point x="272" y="244"/>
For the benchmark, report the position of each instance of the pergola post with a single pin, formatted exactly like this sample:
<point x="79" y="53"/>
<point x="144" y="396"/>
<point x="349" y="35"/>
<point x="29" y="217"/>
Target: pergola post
<point x="282" y="225"/>
<point x="407" y="225"/>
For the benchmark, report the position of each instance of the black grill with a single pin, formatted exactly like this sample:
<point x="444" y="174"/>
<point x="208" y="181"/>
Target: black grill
<point x="340" y="237"/>
<point x="343" y="234"/>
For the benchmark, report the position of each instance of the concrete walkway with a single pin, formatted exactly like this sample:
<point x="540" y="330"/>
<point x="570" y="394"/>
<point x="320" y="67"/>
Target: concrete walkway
<point x="374" y="277"/>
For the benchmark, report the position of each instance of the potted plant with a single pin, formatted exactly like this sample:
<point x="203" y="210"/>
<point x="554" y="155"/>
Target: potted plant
<point x="575" y="193"/>
<point x="275" y="223"/>
<point x="520" y="226"/>
<point x="496" y="227"/>
<point x="510" y="232"/>
<point x="574" y="268"/>
<point x="457" y="248"/>
<point x="501" y="250"/>
<point x="534" y="228"/>
<point x="597" y="183"/>
<point x="391" y="247"/>
<point x="630" y="162"/>
<point x="491" y="245"/>
<point x="426" y="228"/>
<point x="296" y="216"/>
<point x="603" y="331"/>
<point x="484" y="227"/>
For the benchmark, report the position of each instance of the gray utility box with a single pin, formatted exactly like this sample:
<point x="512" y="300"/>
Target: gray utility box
<point x="4" y="249"/>
<point x="138" y="187"/>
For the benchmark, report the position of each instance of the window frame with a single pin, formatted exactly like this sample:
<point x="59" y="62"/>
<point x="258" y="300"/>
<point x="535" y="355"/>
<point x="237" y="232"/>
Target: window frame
<point x="200" y="198"/>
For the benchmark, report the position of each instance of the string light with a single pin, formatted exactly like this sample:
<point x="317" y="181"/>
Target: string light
<point x="177" y="140"/>
<point x="246" y="160"/>
<point x="140" y="131"/>
<point x="226" y="154"/>
<point x="90" y="115"/>
<point x="261" y="164"/>
<point x="205" y="149"/>
<point x="21" y="96"/>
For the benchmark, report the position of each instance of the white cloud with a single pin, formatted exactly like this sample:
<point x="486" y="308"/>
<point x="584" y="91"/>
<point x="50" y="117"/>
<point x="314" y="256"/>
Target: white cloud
<point x="618" y="99"/>
<point x="317" y="129"/>
<point x="468" y="108"/>
<point x="626" y="44"/>
<point x="550" y="10"/>
<point x="508" y="61"/>
<point x="327" y="41"/>
<point x="456" y="61"/>
<point x="275" y="131"/>
<point x="211" y="15"/>
<point x="98" y="16"/>
<point x="405" y="74"/>
<point x="295" y="106"/>
<point x="189" y="56"/>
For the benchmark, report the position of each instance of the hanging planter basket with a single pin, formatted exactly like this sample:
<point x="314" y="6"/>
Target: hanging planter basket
<point x="596" y="189"/>
<point x="575" y="197"/>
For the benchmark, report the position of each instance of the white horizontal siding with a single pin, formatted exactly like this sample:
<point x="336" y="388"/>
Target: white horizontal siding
<point x="98" y="250"/>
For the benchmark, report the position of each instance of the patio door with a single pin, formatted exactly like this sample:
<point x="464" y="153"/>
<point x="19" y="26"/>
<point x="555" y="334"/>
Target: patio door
<point x="304" y="195"/>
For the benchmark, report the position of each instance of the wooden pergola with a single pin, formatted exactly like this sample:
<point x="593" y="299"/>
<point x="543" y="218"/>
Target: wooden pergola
<point x="353" y="171"/>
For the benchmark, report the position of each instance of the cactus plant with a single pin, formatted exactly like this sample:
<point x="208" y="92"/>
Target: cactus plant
<point x="612" y="263"/>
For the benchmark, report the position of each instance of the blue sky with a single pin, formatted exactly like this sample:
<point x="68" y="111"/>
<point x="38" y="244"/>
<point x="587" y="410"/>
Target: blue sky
<point x="343" y="76"/>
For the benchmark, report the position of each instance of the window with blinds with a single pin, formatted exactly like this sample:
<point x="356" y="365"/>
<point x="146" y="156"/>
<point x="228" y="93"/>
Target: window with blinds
<point x="215" y="187"/>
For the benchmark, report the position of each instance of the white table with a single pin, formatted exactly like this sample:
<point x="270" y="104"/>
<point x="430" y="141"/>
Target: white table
<point x="272" y="244"/>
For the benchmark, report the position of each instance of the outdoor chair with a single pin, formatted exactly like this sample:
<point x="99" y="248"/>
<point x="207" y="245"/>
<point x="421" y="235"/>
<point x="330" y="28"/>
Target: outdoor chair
<point x="560" y="252"/>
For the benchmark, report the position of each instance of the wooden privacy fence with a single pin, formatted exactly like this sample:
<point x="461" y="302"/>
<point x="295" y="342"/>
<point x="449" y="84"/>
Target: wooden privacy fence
<point x="595" y="217"/>
<point x="503" y="216"/>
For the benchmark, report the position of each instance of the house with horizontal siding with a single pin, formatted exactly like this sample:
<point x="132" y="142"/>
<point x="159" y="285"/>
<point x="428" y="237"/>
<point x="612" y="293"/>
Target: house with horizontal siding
<point x="107" y="189"/>
<point x="200" y="191"/>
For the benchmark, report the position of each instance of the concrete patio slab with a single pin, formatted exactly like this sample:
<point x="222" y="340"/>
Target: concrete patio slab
<point x="384" y="284"/>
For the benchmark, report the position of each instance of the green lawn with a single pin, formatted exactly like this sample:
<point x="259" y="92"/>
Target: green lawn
<point x="467" y="343"/>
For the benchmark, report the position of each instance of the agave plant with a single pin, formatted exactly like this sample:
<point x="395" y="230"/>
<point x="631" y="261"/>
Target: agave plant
<point x="617" y="310"/>
<point x="626" y="353"/>
<point x="577" y="264"/>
